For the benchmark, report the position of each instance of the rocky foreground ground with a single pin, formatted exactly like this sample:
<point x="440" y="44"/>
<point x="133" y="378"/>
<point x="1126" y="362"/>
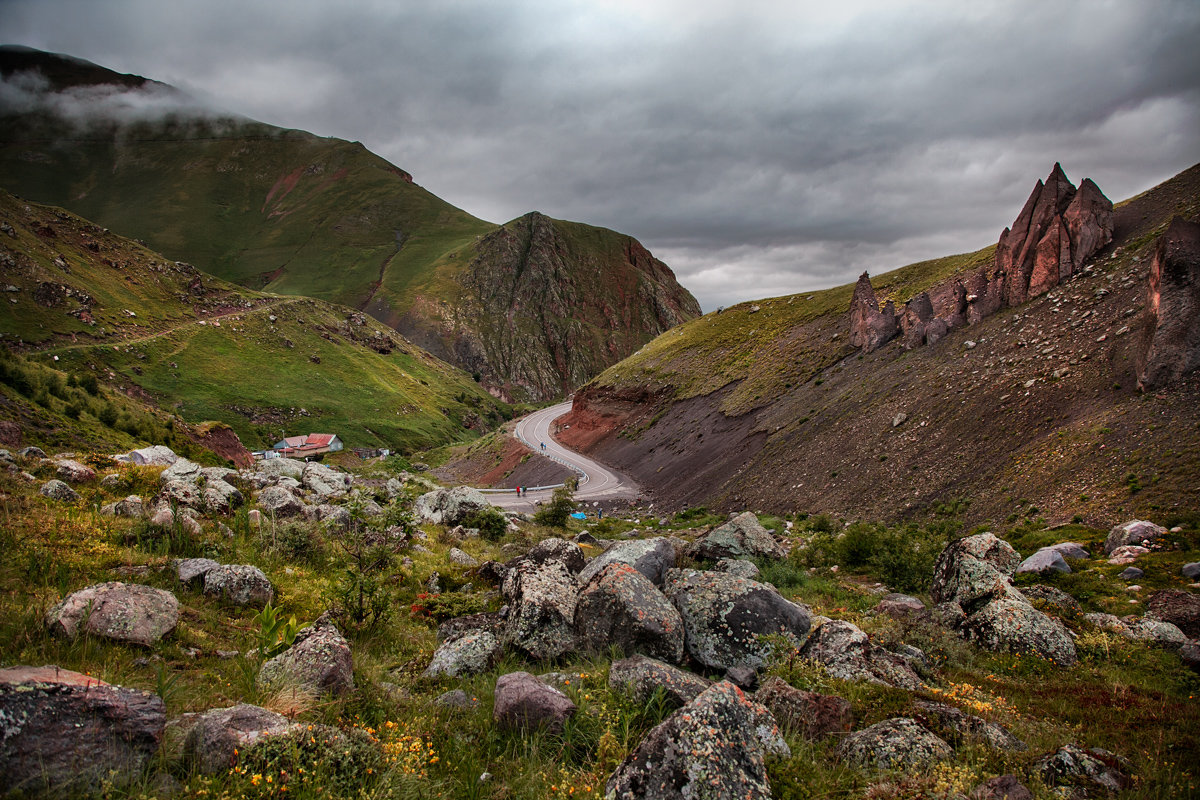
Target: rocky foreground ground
<point x="636" y="659"/>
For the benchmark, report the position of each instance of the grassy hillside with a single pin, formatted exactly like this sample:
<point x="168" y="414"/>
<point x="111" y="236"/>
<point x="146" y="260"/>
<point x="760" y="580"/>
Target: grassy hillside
<point x="91" y="302"/>
<point x="767" y="406"/>
<point x="289" y="212"/>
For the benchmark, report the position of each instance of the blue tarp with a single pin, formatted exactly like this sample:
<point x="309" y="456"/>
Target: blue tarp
<point x="579" y="515"/>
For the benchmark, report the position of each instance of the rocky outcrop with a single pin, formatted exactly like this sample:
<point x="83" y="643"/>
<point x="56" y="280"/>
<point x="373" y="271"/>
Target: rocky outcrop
<point x="870" y="327"/>
<point x="1170" y="343"/>
<point x="714" y="747"/>
<point x="1059" y="228"/>
<point x="122" y="612"/>
<point x="62" y="732"/>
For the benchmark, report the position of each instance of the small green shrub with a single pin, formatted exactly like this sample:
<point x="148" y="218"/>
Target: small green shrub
<point x="491" y="523"/>
<point x="556" y="513"/>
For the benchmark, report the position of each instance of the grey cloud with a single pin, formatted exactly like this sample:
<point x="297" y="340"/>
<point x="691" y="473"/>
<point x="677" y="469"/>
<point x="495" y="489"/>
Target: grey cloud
<point x="759" y="148"/>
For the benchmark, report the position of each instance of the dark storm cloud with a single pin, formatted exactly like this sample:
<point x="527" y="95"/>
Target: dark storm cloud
<point x="759" y="148"/>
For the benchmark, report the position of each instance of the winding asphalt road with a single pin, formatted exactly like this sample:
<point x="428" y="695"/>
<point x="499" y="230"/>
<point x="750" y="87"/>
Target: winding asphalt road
<point x="596" y="482"/>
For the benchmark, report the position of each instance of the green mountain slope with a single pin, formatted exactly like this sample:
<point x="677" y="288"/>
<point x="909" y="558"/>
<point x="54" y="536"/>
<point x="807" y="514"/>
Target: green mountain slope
<point x="767" y="406"/>
<point x="91" y="302"/>
<point x="290" y="212"/>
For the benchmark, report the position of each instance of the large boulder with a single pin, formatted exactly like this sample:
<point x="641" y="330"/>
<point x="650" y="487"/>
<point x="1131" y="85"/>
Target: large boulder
<point x="740" y="537"/>
<point x="490" y="621"/>
<point x="213" y="742"/>
<point x="220" y="496"/>
<point x="1181" y="609"/>
<point x="1044" y="560"/>
<point x="182" y="470"/>
<point x="725" y="617"/>
<point x="894" y="743"/>
<point x="974" y="570"/>
<point x="1015" y="626"/>
<point x="522" y="701"/>
<point x="158" y="455"/>
<point x="847" y="653"/>
<point x="122" y="612"/>
<point x="193" y="570"/>
<point x="811" y="714"/>
<point x="641" y="677"/>
<point x="319" y="659"/>
<point x="620" y="607"/>
<point x="63" y="733"/>
<point x="280" y="468"/>
<point x="715" y="747"/>
<point x="449" y="506"/>
<point x="569" y="554"/>
<point x="1170" y="341"/>
<point x="462" y="656"/>
<point x="1087" y="771"/>
<point x="323" y="481"/>
<point x="651" y="557"/>
<point x="131" y="506"/>
<point x="278" y="502"/>
<point x="72" y="471"/>
<point x="542" y="598"/>
<point x="1135" y="532"/>
<point x="57" y="490"/>
<point x="239" y="585"/>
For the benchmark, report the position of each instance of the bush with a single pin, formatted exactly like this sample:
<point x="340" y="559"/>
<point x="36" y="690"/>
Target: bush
<point x="340" y="762"/>
<point x="491" y="523"/>
<point x="556" y="513"/>
<point x="902" y="557"/>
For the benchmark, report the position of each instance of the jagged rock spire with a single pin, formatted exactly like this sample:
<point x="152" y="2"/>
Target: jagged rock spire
<point x="870" y="328"/>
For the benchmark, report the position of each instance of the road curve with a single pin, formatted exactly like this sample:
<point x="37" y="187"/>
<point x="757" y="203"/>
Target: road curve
<point x="596" y="482"/>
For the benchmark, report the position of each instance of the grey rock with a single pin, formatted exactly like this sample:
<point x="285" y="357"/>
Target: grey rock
<point x="333" y="517"/>
<point x="811" y="714"/>
<point x="1058" y="601"/>
<point x="1070" y="550"/>
<point x="522" y="702"/>
<point x="319" y="659"/>
<point x="900" y="606"/>
<point x="1156" y="632"/>
<point x="1170" y="342"/>
<point x="1044" y="560"/>
<point x="131" y="506"/>
<point x="1177" y="607"/>
<point x="280" y="467"/>
<point x="542" y="598"/>
<point x="619" y="607"/>
<point x="553" y="549"/>
<point x="1191" y="570"/>
<point x="214" y="739"/>
<point x="65" y="733"/>
<point x="456" y="698"/>
<point x="1127" y="554"/>
<point x="651" y="557"/>
<point x="847" y="653"/>
<point x="279" y="502"/>
<point x="896" y="742"/>
<point x="449" y="506"/>
<point x="491" y="622"/>
<point x="1135" y="532"/>
<point x="122" y="612"/>
<point x="31" y="452"/>
<point x="193" y="570"/>
<point x="469" y="654"/>
<point x="642" y="677"/>
<point x="182" y="470"/>
<point x="155" y="455"/>
<point x="1130" y="574"/>
<point x="57" y="490"/>
<point x="1094" y="769"/>
<point x="963" y="727"/>
<point x="974" y="570"/>
<point x="1017" y="627"/>
<point x="724" y="617"/>
<point x="73" y="472"/>
<point x="221" y="497"/>
<point x="714" y="747"/>
<point x="741" y="537"/>
<point x="1001" y="787"/>
<point x="738" y="567"/>
<point x="239" y="585"/>
<point x="462" y="558"/>
<point x="323" y="481"/>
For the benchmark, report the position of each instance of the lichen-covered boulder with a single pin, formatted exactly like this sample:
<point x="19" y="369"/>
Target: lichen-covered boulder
<point x="714" y="747"/>
<point x="461" y="558"/>
<point x="847" y="653"/>
<point x="449" y="506"/>
<point x="131" y="506"/>
<point x="323" y="481"/>
<point x="1155" y="631"/>
<point x="462" y="656"/>
<point x="1052" y="598"/>
<point x="725" y="617"/>
<point x="740" y="537"/>
<point x="193" y="570"/>
<point x="239" y="585"/>
<point x="1044" y="560"/>
<point x="739" y="567"/>
<point x="72" y="471"/>
<point x="973" y="571"/>
<point x="1181" y="609"/>
<point x="569" y="554"/>
<point x="900" y="606"/>
<point x="489" y="621"/>
<point x="57" y="490"/>
<point x="220" y="496"/>
<point x="541" y="598"/>
<point x="278" y="502"/>
<point x="962" y="727"/>
<point x="620" y="607"/>
<point x="1134" y="532"/>
<point x="522" y="701"/>
<point x="642" y="677"/>
<point x="319" y="660"/>
<point x="212" y="744"/>
<point x="1088" y="770"/>
<point x="1015" y="626"/>
<point x="894" y="743"/>
<point x="63" y="733"/>
<point x="809" y="713"/>
<point x="280" y="468"/>
<point x="122" y="612"/>
<point x="651" y="557"/>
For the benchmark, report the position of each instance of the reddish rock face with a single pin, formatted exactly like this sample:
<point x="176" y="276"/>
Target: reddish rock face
<point x="870" y="328"/>
<point x="1170" y="345"/>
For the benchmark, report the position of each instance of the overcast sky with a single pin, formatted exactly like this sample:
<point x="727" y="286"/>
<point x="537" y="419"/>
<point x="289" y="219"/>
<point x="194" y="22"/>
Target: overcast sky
<point x="759" y="148"/>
